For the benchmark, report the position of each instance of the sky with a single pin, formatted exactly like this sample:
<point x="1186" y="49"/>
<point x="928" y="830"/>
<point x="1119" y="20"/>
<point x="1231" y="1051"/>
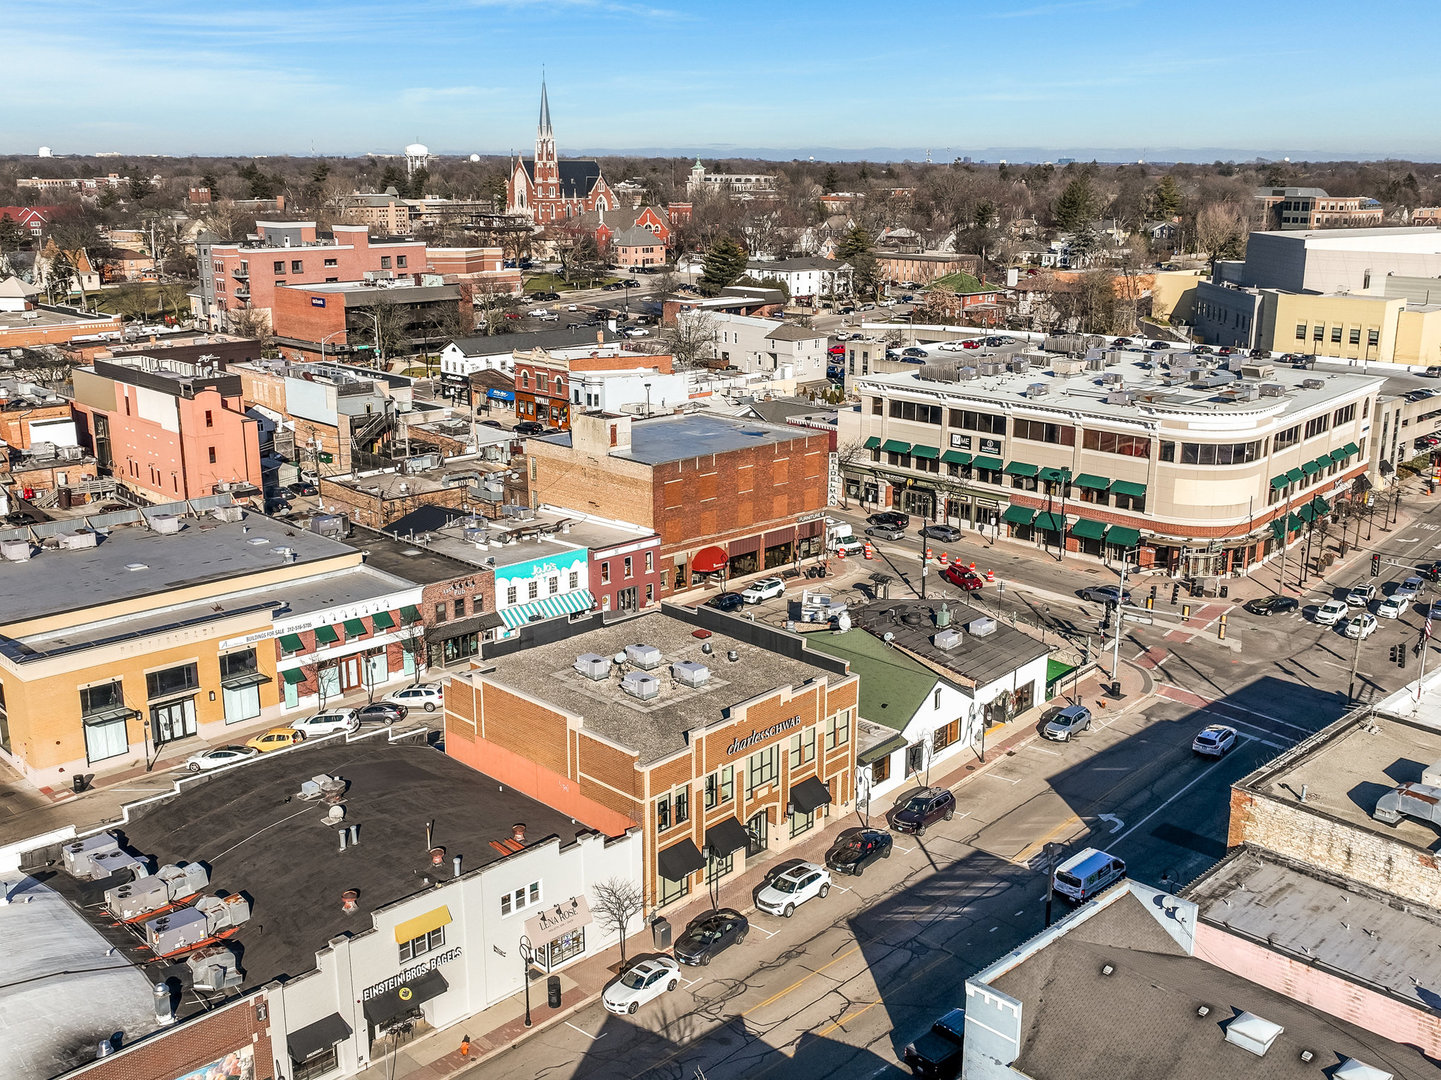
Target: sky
<point x="1163" y="79"/>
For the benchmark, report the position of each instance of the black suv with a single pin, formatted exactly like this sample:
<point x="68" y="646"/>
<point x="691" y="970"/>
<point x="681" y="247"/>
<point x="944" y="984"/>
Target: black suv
<point x="938" y="1052"/>
<point x="889" y="517"/>
<point x="924" y="808"/>
<point x="726" y="601"/>
<point x="529" y="427"/>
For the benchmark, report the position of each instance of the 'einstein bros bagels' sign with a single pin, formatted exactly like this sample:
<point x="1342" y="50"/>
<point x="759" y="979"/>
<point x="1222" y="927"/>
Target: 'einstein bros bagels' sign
<point x="740" y="745"/>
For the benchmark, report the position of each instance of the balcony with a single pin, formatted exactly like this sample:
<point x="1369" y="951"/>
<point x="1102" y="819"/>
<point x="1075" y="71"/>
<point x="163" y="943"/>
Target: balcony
<point x="241" y="293"/>
<point x="240" y="273"/>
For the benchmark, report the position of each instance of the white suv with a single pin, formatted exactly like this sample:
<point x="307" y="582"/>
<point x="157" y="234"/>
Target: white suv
<point x="763" y="589"/>
<point x="1332" y="612"/>
<point x="797" y="885"/>
<point x="428" y="698"/>
<point x="327" y="723"/>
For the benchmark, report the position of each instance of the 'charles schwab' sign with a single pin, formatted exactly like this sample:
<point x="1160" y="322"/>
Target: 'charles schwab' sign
<point x="737" y="745"/>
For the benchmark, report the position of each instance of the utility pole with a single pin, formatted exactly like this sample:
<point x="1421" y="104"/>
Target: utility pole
<point x="1285" y="535"/>
<point x="922" y="535"/>
<point x="1120" y="598"/>
<point x="1052" y="850"/>
<point x="1355" y="663"/>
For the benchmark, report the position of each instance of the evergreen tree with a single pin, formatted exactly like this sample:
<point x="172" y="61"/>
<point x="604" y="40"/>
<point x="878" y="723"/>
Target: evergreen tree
<point x="1166" y="198"/>
<point x="1076" y="204"/>
<point x="858" y="249"/>
<point x="724" y="263"/>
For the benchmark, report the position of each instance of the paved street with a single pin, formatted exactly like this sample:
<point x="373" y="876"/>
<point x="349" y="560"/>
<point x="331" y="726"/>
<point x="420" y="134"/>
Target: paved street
<point x="840" y="988"/>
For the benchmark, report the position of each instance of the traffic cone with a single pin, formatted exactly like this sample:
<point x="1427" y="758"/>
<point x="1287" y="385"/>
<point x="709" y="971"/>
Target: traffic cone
<point x="928" y="552"/>
<point x="945" y="559"/>
<point x="840" y="553"/>
<point x="972" y="566"/>
<point x="869" y="551"/>
<point x="990" y="574"/>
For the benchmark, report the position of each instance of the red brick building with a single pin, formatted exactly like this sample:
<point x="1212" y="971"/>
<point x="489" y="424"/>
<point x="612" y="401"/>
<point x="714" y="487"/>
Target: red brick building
<point x="544" y="384"/>
<point x="547" y="190"/>
<point x="756" y="490"/>
<point x="339" y="314"/>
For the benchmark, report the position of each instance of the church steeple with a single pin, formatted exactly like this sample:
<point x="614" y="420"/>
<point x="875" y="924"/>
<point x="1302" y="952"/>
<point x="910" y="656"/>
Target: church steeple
<point x="544" y="131"/>
<point x="544" y="137"/>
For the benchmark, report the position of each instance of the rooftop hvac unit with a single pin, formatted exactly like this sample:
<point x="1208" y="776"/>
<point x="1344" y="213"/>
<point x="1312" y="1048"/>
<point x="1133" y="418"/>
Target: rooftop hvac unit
<point x="1096" y="363"/>
<point x="1431" y="775"/>
<point x="1037" y="389"/>
<point x="1246" y="391"/>
<point x="1194" y="374"/>
<point x="332" y="525"/>
<point x="77" y="541"/>
<point x="592" y="666"/>
<point x="228" y="513"/>
<point x="981" y="628"/>
<point x="990" y="367"/>
<point x="136" y="898"/>
<point x="640" y="685"/>
<point x="690" y="673"/>
<point x="1113" y="378"/>
<point x="947" y="639"/>
<point x="213" y="968"/>
<point x="1258" y="371"/>
<point x="1313" y="384"/>
<point x="1235" y="362"/>
<point x="15" y="550"/>
<point x="96" y="857"/>
<point x="645" y="657"/>
<point x="1419" y="801"/>
<point x="165" y="524"/>
<point x="1120" y="397"/>
<point x="1019" y="367"/>
<point x="1272" y="389"/>
<point x="966" y="374"/>
<point x="476" y="536"/>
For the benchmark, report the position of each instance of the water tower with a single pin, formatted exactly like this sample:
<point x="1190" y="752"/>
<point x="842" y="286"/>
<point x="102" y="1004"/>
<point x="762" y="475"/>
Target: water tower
<point x="416" y="156"/>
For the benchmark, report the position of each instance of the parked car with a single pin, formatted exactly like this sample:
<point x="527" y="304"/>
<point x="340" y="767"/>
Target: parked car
<point x="1158" y="345"/>
<point x="963" y="578"/>
<point x="1086" y="873"/>
<point x="428" y="698"/>
<point x="536" y="313"/>
<point x="1214" y="740"/>
<point x="726" y="601"/>
<point x="1361" y="595"/>
<point x="493" y="424"/>
<point x="836" y="350"/>
<point x="1332" y="612"/>
<point x="997" y="342"/>
<point x="914" y="351"/>
<point x="1271" y="605"/>
<point x="763" y="589"/>
<point x="614" y="286"/>
<point x="1393" y="607"/>
<point x="1105" y="594"/>
<point x="971" y="343"/>
<point x="327" y="723"/>
<point x="1433" y="372"/>
<point x="303" y="488"/>
<point x="636" y="331"/>
<point x="381" y="712"/>
<point x="886" y="532"/>
<point x="924" y="809"/>
<point x="787" y="891"/>
<point x="1362" y="626"/>
<point x="857" y="851"/>
<point x="530" y="427"/>
<point x="938" y="1054"/>
<point x="1066" y="723"/>
<point x="277" y="738"/>
<point x="948" y="534"/>
<point x="1121" y="342"/>
<point x="708" y="935"/>
<point x="643" y="981"/>
<point x="889" y="517"/>
<point x="218" y="757"/>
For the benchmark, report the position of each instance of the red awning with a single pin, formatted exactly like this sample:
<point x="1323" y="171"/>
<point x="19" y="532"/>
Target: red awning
<point x="746" y="546"/>
<point x="708" y="560"/>
<point x="777" y="537"/>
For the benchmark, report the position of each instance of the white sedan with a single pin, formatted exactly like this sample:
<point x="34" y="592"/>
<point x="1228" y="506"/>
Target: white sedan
<point x="787" y="891"/>
<point x="642" y="981"/>
<point x="217" y="757"/>
<point x="763" y="589"/>
<point x="1362" y="626"/>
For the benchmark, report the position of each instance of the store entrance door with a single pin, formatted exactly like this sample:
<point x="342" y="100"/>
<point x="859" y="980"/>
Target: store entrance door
<point x="758" y="833"/>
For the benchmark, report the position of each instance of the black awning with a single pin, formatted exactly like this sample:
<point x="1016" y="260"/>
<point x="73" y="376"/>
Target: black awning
<point x="460" y="627"/>
<point x="385" y="1007"/>
<point x="809" y="796"/>
<point x="679" y="861"/>
<point x="725" y="837"/>
<point x="313" y="1038"/>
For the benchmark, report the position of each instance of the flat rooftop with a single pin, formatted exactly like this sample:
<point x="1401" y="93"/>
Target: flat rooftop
<point x="661" y="439"/>
<point x="1323" y="920"/>
<point x="1145" y="375"/>
<point x="42" y="317"/>
<point x="131" y="561"/>
<point x="1140" y="1022"/>
<point x="499" y="542"/>
<point x="454" y="472"/>
<point x="1351" y="765"/>
<point x="570" y="337"/>
<point x="402" y="559"/>
<point x="656" y="728"/>
<point x="981" y="660"/>
<point x="294" y="872"/>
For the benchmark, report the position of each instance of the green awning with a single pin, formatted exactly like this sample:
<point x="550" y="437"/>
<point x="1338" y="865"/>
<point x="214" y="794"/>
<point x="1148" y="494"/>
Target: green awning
<point x="1093" y="483"/>
<point x="1051" y="522"/>
<point x="1128" y="487"/>
<point x="410" y="613"/>
<point x="873" y="442"/>
<point x="1278" y="529"/>
<point x="873" y="754"/>
<point x="956" y="457"/>
<point x="992" y="463"/>
<point x="922" y="451"/>
<point x="1338" y="456"/>
<point x="1020" y="468"/>
<point x="1351" y="449"/>
<point x="1087" y="529"/>
<point x="1295" y="475"/>
<point x="1293" y="523"/>
<point x="292" y="643"/>
<point x="1324" y="461"/>
<point x="294" y="676"/>
<point x="326" y="635"/>
<point x="1321" y="505"/>
<point x="1123" y="537"/>
<point x="1304" y="512"/>
<point x="381" y="620"/>
<point x="355" y="628"/>
<point x="1054" y="476"/>
<point x="1309" y="468"/>
<point x="1278" y="482"/>
<point x="1018" y="515"/>
<point x="895" y="446"/>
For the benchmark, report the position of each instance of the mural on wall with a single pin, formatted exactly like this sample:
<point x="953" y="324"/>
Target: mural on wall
<point x="520" y="575"/>
<point x="238" y="1065"/>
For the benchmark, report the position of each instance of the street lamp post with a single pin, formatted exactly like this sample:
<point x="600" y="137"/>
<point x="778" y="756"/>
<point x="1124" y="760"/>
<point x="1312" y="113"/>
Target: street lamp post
<point x="527" y="952"/>
<point x="326" y="338"/>
<point x="647" y="399"/>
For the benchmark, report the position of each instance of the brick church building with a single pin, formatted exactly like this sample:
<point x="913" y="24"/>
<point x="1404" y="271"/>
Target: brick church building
<point x="547" y="190"/>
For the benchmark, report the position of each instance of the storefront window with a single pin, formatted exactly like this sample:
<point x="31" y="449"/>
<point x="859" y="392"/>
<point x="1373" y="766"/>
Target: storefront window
<point x="740" y="565"/>
<point x="719" y="868"/>
<point x="181" y="679"/>
<point x="801" y="823"/>
<point x="881" y="769"/>
<point x="322" y="1062"/>
<point x="673" y="890"/>
<point x="568" y="945"/>
<point x="460" y="648"/>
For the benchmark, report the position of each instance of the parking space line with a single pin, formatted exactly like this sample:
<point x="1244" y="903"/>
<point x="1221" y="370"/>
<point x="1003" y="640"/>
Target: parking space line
<point x="998" y="776"/>
<point x="587" y="1034"/>
<point x="688" y="983"/>
<point x="763" y="930"/>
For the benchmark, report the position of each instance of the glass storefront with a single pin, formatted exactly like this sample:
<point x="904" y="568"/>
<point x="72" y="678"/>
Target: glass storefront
<point x="569" y="945"/>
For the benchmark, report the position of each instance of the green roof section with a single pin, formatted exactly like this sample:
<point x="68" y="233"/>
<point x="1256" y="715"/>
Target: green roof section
<point x="1129" y="487"/>
<point x="920" y="450"/>
<point x="355" y="628"/>
<point x="1123" y="537"/>
<point x="1278" y="482"/>
<point x="1091" y="482"/>
<point x="893" y="686"/>
<point x="956" y="457"/>
<point x="1051" y="522"/>
<point x="1018" y="515"/>
<point x="1020" y="468"/>
<point x="992" y="463"/>
<point x="1087" y="529"/>
<point x="895" y="446"/>
<point x="326" y="635"/>
<point x="873" y="442"/>
<point x="381" y="620"/>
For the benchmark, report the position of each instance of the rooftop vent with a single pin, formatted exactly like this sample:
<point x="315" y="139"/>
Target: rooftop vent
<point x="1259" y="371"/>
<point x="1037" y="389"/>
<point x="15" y="550"/>
<point x="947" y="639"/>
<point x="228" y="513"/>
<point x="966" y="374"/>
<point x="640" y="685"/>
<point x="981" y="628"/>
<point x="165" y="524"/>
<point x="592" y="666"/>
<point x="213" y="968"/>
<point x="1251" y="1032"/>
<point x="1354" y="1069"/>
<point x="645" y="657"/>
<point x="1247" y="391"/>
<point x="690" y="673"/>
<point x="1120" y="397"/>
<point x="1313" y="384"/>
<point x="1273" y="389"/>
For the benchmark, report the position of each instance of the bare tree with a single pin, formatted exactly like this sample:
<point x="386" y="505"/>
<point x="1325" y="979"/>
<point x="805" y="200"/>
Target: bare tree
<point x="847" y="454"/>
<point x="1220" y="231"/>
<point x="692" y="338"/>
<point x="617" y="901"/>
<point x="252" y="323"/>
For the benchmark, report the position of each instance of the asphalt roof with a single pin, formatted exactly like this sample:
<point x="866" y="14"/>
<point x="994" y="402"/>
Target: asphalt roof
<point x="981" y="660"/>
<point x="405" y="560"/>
<point x="1140" y="1021"/>
<point x="577" y="175"/>
<point x="660" y="439"/>
<point x="257" y="838"/>
<point x="504" y="344"/>
<point x="893" y="686"/>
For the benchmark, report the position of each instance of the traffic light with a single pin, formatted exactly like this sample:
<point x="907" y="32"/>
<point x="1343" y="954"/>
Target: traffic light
<point x="1176" y="593"/>
<point x="1375" y="565"/>
<point x="1395" y="653"/>
<point x="1401" y="652"/>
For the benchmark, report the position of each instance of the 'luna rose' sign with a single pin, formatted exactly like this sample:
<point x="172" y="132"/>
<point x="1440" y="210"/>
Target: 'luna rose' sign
<point x="754" y="737"/>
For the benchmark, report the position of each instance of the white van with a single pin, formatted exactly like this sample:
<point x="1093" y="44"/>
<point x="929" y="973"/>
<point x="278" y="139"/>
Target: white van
<point x="1087" y="873"/>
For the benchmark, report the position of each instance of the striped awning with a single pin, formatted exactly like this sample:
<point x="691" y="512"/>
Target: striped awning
<point x="551" y="607"/>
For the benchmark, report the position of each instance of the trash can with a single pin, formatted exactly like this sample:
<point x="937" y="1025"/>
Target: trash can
<point x="81" y="781"/>
<point x="1225" y="591"/>
<point x="552" y="991"/>
<point x="660" y="933"/>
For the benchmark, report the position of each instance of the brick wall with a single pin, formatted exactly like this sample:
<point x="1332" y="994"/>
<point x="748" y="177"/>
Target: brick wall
<point x="192" y="1045"/>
